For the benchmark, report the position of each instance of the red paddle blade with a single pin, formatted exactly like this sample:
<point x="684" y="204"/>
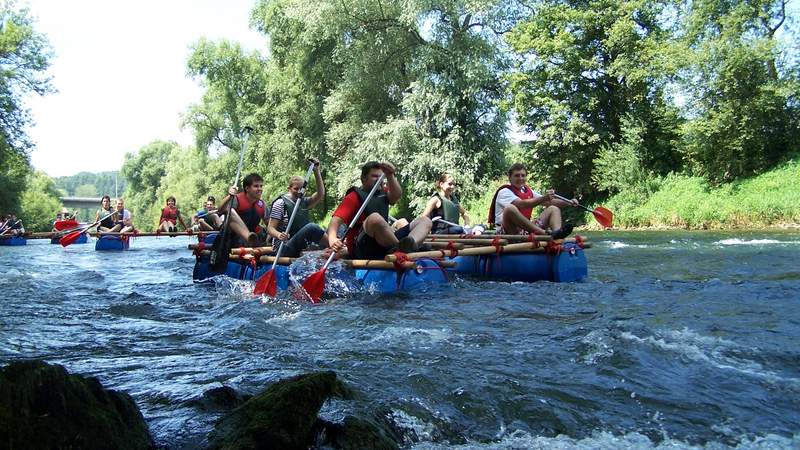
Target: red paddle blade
<point x="70" y="238"/>
<point x="266" y="284"/>
<point x="315" y="284"/>
<point x="603" y="216"/>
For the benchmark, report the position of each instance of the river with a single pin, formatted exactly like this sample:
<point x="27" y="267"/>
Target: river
<point x="676" y="340"/>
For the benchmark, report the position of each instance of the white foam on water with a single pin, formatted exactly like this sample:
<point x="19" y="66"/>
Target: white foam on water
<point x="600" y="346"/>
<point x="737" y="241"/>
<point x="617" y="244"/>
<point x="418" y="335"/>
<point x="709" y="350"/>
<point x="608" y="441"/>
<point x="421" y="430"/>
<point x="284" y="318"/>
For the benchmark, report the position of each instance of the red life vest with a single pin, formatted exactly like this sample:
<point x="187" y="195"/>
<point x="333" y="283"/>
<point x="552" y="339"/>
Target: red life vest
<point x="250" y="212"/>
<point x="170" y="214"/>
<point x="527" y="194"/>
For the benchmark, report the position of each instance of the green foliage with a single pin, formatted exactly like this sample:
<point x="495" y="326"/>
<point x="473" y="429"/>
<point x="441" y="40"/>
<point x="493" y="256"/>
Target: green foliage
<point x="102" y="183"/>
<point x="746" y="117"/>
<point x="40" y="202"/>
<point x="582" y="68"/>
<point x="24" y="59"/>
<point x="143" y="172"/>
<point x="184" y="179"/>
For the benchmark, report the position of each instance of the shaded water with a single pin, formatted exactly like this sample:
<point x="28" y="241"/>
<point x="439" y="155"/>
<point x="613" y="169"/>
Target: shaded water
<point x="676" y="340"/>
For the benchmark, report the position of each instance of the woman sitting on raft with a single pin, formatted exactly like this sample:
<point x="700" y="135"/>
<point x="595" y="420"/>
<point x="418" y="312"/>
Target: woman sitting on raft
<point x="444" y="209"/>
<point x="105" y="212"/>
<point x="170" y="216"/>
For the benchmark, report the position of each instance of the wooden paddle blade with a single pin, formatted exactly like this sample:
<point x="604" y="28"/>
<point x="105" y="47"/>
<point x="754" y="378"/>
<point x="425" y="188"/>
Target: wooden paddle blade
<point x="266" y="283"/>
<point x="315" y="284"/>
<point x="603" y="216"/>
<point x="69" y="238"/>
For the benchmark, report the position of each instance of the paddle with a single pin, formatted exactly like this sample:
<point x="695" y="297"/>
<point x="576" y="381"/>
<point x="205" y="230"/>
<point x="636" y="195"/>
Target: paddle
<point x="73" y="236"/>
<point x="315" y="284"/>
<point x="267" y="282"/>
<point x="603" y="216"/>
<point x="222" y="243"/>
<point x="10" y="227"/>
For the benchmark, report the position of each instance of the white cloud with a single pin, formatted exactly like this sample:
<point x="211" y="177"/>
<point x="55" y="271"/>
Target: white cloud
<point x="120" y="69"/>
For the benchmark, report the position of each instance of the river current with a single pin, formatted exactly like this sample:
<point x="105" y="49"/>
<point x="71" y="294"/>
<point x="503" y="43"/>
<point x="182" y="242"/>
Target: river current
<point x="676" y="340"/>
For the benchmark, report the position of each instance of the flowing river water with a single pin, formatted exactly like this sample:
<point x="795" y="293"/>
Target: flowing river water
<point x="676" y="340"/>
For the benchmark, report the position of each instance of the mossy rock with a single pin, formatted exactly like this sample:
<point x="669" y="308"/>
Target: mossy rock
<point x="43" y="406"/>
<point x="356" y="433"/>
<point x="281" y="417"/>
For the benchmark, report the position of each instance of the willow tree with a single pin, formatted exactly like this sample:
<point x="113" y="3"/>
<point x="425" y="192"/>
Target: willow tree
<point x="347" y="81"/>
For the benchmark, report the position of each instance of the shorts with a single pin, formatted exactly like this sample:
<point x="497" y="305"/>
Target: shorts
<point x="366" y="247"/>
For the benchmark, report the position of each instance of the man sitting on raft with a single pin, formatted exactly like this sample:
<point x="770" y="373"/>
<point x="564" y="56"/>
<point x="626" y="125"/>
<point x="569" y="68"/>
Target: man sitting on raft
<point x="122" y="218"/>
<point x="444" y="205"/>
<point x="372" y="237"/>
<point x="249" y="212"/>
<point x="513" y="204"/>
<point x="303" y="231"/>
<point x="170" y="216"/>
<point x="207" y="219"/>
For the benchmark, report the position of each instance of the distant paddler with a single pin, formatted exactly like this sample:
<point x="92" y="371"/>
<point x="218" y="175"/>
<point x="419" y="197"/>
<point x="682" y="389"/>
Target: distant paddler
<point x="303" y="231"/>
<point x="103" y="216"/>
<point x="123" y="222"/>
<point x="12" y="226"/>
<point x="445" y="204"/>
<point x="372" y="237"/>
<point x="170" y="216"/>
<point x="207" y="218"/>
<point x="513" y="204"/>
<point x="249" y="213"/>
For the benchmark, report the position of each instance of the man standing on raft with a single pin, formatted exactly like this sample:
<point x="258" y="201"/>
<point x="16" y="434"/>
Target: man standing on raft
<point x="372" y="237"/>
<point x="303" y="231"/>
<point x="513" y="204"/>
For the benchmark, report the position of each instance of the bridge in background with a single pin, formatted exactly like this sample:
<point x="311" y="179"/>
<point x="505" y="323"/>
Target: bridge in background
<point x="81" y="202"/>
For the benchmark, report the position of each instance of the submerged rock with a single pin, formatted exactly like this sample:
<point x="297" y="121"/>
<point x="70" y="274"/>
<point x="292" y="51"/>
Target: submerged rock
<point x="281" y="417"/>
<point x="355" y="433"/>
<point x="223" y="398"/>
<point x="43" y="406"/>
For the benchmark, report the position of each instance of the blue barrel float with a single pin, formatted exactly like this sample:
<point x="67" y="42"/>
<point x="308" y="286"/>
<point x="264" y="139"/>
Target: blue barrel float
<point x="112" y="243"/>
<point x="81" y="240"/>
<point x="426" y="273"/>
<point x="567" y="263"/>
<point x="13" y="240"/>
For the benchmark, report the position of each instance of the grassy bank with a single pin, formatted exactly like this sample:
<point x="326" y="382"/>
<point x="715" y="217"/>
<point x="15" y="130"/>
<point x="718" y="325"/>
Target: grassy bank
<point x="771" y="199"/>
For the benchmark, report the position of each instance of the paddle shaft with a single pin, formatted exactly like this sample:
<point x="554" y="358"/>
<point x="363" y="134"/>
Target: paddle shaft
<point x="233" y="202"/>
<point x="570" y="201"/>
<point x="358" y="214"/>
<point x="297" y="205"/>
<point x="9" y="227"/>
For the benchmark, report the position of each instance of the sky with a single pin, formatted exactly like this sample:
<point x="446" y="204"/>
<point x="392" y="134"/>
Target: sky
<point x="120" y="71"/>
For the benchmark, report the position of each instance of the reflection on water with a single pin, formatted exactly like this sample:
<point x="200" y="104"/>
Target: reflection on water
<point x="677" y="340"/>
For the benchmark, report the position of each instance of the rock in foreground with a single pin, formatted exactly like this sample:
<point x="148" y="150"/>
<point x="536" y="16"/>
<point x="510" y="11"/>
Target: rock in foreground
<point x="43" y="406"/>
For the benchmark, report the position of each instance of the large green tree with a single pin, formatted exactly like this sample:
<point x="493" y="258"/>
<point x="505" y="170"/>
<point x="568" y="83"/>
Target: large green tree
<point x="589" y="73"/>
<point x="24" y="59"/>
<point x="143" y="172"/>
<point x="741" y="88"/>
<point x="40" y="202"/>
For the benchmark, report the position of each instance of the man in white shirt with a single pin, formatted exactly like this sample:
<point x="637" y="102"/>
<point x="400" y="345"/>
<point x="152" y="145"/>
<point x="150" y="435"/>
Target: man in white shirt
<point x="513" y="204"/>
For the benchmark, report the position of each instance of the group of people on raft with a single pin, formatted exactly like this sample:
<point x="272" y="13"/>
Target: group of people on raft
<point x="375" y="233"/>
<point x="10" y="225"/>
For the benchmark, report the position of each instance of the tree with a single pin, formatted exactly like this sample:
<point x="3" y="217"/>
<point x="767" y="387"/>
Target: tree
<point x="24" y="58"/>
<point x="40" y="202"/>
<point x="741" y="95"/>
<point x="583" y="67"/>
<point x="143" y="172"/>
